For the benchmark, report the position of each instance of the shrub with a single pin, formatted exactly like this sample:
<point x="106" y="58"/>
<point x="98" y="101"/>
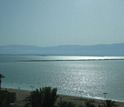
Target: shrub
<point x="45" y="97"/>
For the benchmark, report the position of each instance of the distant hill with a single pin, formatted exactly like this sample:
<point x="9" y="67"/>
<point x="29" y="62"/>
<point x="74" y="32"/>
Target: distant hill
<point x="89" y="50"/>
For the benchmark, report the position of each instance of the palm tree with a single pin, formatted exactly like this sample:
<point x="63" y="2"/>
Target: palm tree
<point x="45" y="97"/>
<point x="108" y="103"/>
<point x="1" y="76"/>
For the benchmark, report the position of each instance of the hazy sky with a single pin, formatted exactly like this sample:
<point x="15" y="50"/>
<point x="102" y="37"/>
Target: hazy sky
<point x="61" y="22"/>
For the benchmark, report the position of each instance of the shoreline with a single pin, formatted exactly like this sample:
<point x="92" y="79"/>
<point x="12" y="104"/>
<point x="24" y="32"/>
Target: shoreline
<point x="21" y="94"/>
<point x="85" y="97"/>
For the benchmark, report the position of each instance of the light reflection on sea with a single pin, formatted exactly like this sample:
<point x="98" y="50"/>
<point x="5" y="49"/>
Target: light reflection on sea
<point x="71" y="76"/>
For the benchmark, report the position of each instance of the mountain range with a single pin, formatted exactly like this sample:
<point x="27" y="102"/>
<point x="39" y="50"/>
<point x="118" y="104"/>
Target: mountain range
<point x="116" y="49"/>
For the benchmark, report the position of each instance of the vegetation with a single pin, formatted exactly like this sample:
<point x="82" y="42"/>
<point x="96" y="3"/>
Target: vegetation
<point x="6" y="98"/>
<point x="1" y="76"/>
<point x="90" y="103"/>
<point x="65" y="104"/>
<point x="45" y="97"/>
<point x="108" y="103"/>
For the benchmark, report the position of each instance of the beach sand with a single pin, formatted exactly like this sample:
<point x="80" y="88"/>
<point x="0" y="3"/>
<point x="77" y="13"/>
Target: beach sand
<point x="22" y="94"/>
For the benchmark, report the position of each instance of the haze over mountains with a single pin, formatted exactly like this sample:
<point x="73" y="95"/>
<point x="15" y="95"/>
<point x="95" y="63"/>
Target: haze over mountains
<point x="87" y="50"/>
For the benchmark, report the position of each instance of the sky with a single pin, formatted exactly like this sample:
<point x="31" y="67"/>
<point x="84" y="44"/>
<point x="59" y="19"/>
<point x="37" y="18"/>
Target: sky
<point x="61" y="22"/>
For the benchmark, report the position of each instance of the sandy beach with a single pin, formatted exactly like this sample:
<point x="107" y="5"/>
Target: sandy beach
<point x="21" y="94"/>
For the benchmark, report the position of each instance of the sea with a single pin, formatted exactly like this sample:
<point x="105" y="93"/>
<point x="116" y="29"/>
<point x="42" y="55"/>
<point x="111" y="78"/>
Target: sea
<point x="99" y="77"/>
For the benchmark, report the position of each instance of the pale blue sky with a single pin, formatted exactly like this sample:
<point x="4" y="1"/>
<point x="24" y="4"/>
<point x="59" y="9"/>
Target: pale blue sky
<point x="61" y="22"/>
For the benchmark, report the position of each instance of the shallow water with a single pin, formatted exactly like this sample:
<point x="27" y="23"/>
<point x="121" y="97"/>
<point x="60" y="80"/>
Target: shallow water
<point x="72" y="75"/>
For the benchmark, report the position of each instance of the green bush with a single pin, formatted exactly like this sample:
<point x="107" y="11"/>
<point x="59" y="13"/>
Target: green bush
<point x="45" y="97"/>
<point x="108" y="103"/>
<point x="65" y="104"/>
<point x="6" y="98"/>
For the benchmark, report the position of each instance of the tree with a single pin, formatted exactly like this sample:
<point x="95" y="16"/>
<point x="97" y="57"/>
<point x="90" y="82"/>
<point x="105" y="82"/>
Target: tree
<point x="62" y="104"/>
<point x="108" y="103"/>
<point x="90" y="103"/>
<point x="45" y="97"/>
<point x="65" y="104"/>
<point x="1" y="76"/>
<point x="6" y="98"/>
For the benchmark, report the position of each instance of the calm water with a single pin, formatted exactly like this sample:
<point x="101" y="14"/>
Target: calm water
<point x="72" y="75"/>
